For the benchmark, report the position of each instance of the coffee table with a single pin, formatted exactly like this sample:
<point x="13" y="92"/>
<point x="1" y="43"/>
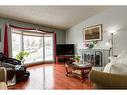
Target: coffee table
<point x="79" y="69"/>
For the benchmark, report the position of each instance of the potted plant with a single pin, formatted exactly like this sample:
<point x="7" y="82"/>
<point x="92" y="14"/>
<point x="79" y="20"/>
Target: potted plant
<point x="20" y="56"/>
<point x="77" y="58"/>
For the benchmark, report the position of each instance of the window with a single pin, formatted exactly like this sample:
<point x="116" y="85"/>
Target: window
<point x="48" y="40"/>
<point x="39" y="45"/>
<point x="16" y="43"/>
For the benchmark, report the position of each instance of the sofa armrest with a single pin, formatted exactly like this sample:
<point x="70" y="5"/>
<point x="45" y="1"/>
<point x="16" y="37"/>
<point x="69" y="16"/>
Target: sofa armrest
<point x="7" y="65"/>
<point x="13" y="61"/>
<point x="3" y="86"/>
<point x="107" y="80"/>
<point x="3" y="74"/>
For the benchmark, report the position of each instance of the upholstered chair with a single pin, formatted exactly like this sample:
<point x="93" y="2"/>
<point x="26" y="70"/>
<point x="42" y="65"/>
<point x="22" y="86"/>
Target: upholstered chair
<point x="3" y="78"/>
<point x="102" y="80"/>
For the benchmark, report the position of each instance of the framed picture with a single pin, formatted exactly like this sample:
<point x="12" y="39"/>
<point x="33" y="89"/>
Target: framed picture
<point x="93" y="33"/>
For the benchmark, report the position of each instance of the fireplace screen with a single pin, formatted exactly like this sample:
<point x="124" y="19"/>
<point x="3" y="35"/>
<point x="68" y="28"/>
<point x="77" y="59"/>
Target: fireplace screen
<point x="94" y="57"/>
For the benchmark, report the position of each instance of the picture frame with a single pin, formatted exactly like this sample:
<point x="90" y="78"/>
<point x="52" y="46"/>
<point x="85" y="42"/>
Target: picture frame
<point x="93" y="33"/>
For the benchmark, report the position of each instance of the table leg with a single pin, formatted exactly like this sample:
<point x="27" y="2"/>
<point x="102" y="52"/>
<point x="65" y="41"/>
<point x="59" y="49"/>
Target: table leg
<point x="66" y="68"/>
<point x="82" y="75"/>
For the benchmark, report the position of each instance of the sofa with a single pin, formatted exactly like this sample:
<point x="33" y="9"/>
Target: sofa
<point x="19" y="71"/>
<point x="14" y="68"/>
<point x="3" y="77"/>
<point x="6" y="59"/>
<point x="103" y="80"/>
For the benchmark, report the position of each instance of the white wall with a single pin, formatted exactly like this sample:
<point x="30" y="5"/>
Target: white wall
<point x="114" y="19"/>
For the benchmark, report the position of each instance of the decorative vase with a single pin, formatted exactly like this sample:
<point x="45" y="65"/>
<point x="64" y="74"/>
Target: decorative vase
<point x="22" y="61"/>
<point x="91" y="46"/>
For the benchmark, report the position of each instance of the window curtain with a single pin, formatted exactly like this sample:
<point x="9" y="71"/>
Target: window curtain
<point x="55" y="46"/>
<point x="6" y="51"/>
<point x="6" y="46"/>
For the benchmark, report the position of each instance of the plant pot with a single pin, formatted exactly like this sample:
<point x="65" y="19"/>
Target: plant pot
<point x="77" y="61"/>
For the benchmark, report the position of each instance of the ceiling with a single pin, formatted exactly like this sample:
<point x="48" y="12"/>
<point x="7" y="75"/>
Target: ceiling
<point x="60" y="17"/>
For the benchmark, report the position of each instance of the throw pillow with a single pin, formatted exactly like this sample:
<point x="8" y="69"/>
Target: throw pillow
<point x="107" y="68"/>
<point x="119" y="69"/>
<point x="117" y="65"/>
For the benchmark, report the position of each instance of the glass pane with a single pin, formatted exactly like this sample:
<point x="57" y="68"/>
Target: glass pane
<point x="33" y="45"/>
<point x="48" y="48"/>
<point x="16" y="44"/>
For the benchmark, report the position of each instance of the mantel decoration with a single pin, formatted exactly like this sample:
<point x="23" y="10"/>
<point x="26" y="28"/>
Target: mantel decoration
<point x="90" y="45"/>
<point x="93" y="33"/>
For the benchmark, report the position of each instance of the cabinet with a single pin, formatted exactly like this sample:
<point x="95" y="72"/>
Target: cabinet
<point x="67" y="57"/>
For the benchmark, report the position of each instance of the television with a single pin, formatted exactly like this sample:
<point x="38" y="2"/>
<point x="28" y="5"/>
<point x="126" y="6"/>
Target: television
<point x="65" y="49"/>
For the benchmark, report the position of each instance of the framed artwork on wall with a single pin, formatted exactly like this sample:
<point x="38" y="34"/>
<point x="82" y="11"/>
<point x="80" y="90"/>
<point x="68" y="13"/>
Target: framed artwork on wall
<point x="93" y="33"/>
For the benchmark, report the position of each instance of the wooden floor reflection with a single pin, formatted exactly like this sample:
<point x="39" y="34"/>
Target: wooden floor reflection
<point x="51" y="76"/>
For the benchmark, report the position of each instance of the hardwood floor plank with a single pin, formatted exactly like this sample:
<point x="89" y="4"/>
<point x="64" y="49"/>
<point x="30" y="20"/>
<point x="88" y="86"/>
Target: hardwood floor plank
<point x="51" y="76"/>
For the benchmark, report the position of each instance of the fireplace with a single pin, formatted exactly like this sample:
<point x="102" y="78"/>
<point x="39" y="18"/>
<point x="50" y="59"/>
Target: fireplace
<point x="97" y="57"/>
<point x="93" y="57"/>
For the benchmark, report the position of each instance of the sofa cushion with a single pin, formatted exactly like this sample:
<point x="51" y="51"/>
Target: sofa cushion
<point x="119" y="69"/>
<point x="107" y="68"/>
<point x="116" y="68"/>
<point x="117" y="65"/>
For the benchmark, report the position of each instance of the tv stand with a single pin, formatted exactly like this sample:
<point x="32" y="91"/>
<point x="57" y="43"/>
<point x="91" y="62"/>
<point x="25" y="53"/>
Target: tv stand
<point x="63" y="57"/>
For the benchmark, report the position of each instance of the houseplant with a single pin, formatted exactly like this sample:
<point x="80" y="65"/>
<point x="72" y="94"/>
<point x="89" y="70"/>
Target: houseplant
<point x="21" y="55"/>
<point x="77" y="58"/>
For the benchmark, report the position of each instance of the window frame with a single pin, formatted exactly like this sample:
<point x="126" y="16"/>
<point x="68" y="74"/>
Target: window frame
<point x="43" y="37"/>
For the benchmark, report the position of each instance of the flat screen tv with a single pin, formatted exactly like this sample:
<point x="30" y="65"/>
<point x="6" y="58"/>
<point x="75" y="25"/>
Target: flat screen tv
<point x="65" y="49"/>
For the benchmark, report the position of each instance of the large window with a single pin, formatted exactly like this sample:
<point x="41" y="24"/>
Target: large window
<point x="39" y="45"/>
<point x="48" y="47"/>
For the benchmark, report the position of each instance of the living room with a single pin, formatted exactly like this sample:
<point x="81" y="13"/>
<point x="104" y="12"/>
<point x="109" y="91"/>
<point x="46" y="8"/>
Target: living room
<point x="38" y="37"/>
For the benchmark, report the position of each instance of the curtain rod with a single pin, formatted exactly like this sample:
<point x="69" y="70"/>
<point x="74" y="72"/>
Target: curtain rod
<point x="22" y="28"/>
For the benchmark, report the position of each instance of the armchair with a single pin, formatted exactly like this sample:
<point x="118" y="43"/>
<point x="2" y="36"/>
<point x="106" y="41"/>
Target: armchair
<point x="14" y="67"/>
<point x="10" y="69"/>
<point x="104" y="80"/>
<point x="3" y="78"/>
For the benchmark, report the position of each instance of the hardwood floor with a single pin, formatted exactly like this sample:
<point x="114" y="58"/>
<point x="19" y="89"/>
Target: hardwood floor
<point x="51" y="76"/>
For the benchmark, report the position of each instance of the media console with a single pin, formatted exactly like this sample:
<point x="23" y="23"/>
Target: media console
<point x="64" y="52"/>
<point x="63" y="57"/>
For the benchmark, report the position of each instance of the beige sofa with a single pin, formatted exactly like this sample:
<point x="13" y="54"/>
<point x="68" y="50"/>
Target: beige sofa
<point x="3" y="78"/>
<point x="103" y="80"/>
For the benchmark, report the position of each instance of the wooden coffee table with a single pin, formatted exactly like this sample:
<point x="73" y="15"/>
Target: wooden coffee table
<point x="78" y="69"/>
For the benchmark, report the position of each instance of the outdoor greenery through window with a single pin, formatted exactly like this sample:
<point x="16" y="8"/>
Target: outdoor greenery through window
<point x="39" y="45"/>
